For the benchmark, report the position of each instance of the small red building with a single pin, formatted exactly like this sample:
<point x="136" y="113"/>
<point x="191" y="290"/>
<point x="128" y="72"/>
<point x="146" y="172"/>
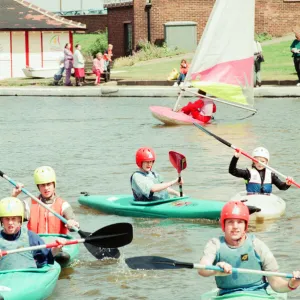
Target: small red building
<point x="31" y="37"/>
<point x="131" y="20"/>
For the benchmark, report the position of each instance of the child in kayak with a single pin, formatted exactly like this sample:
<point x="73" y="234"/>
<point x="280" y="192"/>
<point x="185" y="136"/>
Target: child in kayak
<point x="258" y="178"/>
<point x="238" y="249"/>
<point x="202" y="109"/>
<point x="14" y="235"/>
<point x="146" y="184"/>
<point x="41" y="220"/>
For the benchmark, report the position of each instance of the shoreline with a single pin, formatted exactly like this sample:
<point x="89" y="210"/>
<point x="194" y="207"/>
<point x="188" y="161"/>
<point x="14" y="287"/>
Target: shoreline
<point x="133" y="91"/>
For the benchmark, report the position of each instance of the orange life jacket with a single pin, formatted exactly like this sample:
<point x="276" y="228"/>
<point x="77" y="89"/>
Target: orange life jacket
<point x="43" y="221"/>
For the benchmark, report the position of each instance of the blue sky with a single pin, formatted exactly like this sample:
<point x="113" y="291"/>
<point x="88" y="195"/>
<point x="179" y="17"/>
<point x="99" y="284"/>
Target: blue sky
<point x="54" y="5"/>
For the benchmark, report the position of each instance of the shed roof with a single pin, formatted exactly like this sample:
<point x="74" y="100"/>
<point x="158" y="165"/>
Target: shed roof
<point x="22" y="15"/>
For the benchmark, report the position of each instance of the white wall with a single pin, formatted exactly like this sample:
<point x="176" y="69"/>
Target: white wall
<point x="4" y="55"/>
<point x="18" y="53"/>
<point x="53" y="47"/>
<point x="67" y="5"/>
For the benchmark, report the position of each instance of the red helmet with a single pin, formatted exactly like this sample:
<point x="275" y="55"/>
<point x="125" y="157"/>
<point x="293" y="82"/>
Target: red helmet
<point x="144" y="154"/>
<point x="234" y="210"/>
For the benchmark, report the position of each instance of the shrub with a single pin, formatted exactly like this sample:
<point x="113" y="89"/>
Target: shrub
<point x="100" y="44"/>
<point x="146" y="51"/>
<point x="264" y="36"/>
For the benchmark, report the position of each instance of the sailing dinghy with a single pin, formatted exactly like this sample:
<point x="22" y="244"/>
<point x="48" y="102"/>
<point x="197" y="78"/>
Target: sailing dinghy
<point x="223" y="62"/>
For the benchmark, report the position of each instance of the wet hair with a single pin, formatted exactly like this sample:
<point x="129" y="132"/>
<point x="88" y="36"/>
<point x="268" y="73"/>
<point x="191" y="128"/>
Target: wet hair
<point x="201" y="92"/>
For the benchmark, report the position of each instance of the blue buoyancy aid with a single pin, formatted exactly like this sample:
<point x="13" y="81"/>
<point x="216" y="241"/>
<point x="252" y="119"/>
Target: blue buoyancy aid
<point x="255" y="183"/>
<point x="21" y="260"/>
<point x="241" y="257"/>
<point x="152" y="196"/>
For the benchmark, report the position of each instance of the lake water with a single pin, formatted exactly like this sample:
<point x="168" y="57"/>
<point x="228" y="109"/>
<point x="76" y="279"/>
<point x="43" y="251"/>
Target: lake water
<point x="91" y="144"/>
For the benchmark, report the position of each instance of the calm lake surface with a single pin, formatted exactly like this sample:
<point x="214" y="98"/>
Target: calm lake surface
<point x="91" y="144"/>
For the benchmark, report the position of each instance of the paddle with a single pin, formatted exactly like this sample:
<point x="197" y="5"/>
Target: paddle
<point x="244" y="153"/>
<point x="179" y="163"/>
<point x="115" y="235"/>
<point x="98" y="252"/>
<point x="162" y="263"/>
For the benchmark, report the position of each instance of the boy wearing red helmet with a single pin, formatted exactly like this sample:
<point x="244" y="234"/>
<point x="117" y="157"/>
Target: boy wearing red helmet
<point x="146" y="184"/>
<point x="237" y="249"/>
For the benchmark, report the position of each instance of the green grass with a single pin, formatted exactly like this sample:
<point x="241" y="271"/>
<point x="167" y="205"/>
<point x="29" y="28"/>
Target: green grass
<point x="278" y="65"/>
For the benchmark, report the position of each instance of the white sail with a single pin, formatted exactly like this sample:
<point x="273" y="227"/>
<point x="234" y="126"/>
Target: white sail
<point x="223" y="62"/>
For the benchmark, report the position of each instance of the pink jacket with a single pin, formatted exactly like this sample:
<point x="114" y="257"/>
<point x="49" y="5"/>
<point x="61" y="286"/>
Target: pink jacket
<point x="98" y="65"/>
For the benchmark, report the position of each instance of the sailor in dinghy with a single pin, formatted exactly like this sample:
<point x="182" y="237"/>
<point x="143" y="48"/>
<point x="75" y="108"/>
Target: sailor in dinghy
<point x="202" y="109"/>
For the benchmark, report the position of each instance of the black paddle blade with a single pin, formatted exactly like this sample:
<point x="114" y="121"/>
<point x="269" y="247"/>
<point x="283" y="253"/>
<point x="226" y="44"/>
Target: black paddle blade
<point x="103" y="242"/>
<point x="155" y="263"/>
<point x="253" y="209"/>
<point x="112" y="236"/>
<point x="98" y="252"/>
<point x="102" y="253"/>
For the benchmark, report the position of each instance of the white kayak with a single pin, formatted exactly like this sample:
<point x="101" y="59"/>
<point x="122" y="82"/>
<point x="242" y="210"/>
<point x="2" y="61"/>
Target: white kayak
<point x="271" y="205"/>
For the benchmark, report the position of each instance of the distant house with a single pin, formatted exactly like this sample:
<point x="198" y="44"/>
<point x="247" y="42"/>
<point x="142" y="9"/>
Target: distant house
<point x="132" y="20"/>
<point x="31" y="37"/>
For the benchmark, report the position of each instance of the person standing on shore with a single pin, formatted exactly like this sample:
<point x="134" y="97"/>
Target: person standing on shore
<point x="78" y="65"/>
<point x="68" y="63"/>
<point x="295" y="49"/>
<point x="258" y="59"/>
<point x="108" y="54"/>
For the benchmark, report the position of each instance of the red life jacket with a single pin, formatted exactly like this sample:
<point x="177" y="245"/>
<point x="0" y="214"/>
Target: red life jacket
<point x="43" y="221"/>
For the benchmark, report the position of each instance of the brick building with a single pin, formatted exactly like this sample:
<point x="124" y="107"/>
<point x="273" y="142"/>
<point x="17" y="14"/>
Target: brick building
<point x="128" y="21"/>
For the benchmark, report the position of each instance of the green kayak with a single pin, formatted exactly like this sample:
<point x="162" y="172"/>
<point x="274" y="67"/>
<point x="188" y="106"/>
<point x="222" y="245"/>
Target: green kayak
<point x="180" y="207"/>
<point x="69" y="253"/>
<point x="271" y="295"/>
<point x="33" y="284"/>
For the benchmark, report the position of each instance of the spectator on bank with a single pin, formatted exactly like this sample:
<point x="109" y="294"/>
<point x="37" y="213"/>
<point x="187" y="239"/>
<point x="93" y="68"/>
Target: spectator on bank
<point x="295" y="49"/>
<point x="108" y="54"/>
<point x="258" y="59"/>
<point x="68" y="63"/>
<point x="184" y="67"/>
<point x="78" y="65"/>
<point x="98" y="67"/>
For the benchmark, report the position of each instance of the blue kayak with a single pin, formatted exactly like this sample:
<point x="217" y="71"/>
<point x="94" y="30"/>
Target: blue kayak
<point x="29" y="284"/>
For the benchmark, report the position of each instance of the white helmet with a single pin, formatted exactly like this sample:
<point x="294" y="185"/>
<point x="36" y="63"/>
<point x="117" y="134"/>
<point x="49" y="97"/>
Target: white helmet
<point x="261" y="152"/>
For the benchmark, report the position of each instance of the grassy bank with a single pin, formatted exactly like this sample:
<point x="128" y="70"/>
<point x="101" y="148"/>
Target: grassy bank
<point x="278" y="65"/>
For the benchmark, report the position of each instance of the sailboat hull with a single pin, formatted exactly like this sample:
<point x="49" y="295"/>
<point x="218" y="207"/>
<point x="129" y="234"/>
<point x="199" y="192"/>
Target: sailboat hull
<point x="170" y="117"/>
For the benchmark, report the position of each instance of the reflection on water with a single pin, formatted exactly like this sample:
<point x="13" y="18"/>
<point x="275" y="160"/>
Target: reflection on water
<point x="91" y="143"/>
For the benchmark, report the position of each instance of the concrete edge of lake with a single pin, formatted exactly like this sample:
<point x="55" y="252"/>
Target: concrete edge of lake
<point x="132" y="91"/>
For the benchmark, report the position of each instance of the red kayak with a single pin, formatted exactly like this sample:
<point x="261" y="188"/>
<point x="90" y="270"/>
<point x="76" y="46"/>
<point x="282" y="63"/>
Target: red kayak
<point x="170" y="117"/>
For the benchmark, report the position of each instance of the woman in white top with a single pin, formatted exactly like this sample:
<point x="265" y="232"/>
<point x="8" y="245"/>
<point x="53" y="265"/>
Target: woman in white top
<point x="78" y="65"/>
<point x="258" y="59"/>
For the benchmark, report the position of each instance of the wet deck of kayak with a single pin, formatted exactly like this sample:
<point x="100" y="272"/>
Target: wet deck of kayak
<point x="91" y="143"/>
